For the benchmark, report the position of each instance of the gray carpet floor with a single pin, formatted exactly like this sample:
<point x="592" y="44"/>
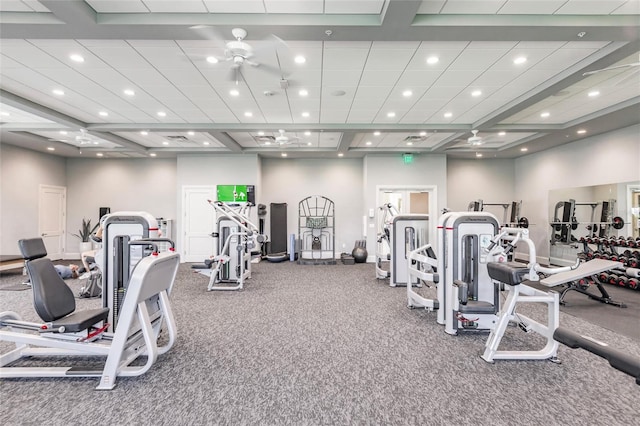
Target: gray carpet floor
<point x="317" y="345"/>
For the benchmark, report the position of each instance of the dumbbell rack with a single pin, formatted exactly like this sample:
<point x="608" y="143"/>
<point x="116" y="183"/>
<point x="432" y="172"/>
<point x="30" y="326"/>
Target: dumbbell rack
<point x="611" y="249"/>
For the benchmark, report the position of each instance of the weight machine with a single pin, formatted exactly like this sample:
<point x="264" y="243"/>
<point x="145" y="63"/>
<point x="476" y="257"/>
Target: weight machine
<point x="236" y="237"/>
<point x="316" y="230"/>
<point x="513" y="220"/>
<point x="136" y="308"/>
<point x="386" y="213"/>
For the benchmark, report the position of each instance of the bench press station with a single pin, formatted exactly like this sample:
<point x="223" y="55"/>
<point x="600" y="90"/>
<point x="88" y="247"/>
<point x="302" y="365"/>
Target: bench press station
<point x="144" y="312"/>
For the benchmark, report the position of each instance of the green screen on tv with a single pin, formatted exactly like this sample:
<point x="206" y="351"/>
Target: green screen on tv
<point x="236" y="194"/>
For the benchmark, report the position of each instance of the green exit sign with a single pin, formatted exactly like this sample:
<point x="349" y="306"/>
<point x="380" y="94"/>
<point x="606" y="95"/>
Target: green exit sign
<point x="407" y="158"/>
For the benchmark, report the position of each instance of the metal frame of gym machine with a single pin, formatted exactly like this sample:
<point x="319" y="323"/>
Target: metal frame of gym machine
<point x="240" y="236"/>
<point x="316" y="231"/>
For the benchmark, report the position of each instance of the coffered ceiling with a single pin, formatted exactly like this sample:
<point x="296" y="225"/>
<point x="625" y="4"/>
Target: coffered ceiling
<point x="158" y="77"/>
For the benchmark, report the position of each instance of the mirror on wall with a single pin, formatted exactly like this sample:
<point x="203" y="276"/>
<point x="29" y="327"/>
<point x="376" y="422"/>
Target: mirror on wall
<point x="611" y="210"/>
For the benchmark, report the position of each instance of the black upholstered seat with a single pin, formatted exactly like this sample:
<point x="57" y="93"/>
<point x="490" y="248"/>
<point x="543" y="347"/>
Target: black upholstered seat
<point x="510" y="273"/>
<point x="53" y="300"/>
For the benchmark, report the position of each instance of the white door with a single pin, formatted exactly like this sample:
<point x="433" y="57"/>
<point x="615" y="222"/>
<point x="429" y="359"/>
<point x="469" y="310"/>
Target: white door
<point x="52" y="211"/>
<point x="198" y="224"/>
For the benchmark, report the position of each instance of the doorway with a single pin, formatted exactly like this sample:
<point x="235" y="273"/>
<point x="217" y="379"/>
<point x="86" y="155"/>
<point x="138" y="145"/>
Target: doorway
<point x="195" y="241"/>
<point x="52" y="213"/>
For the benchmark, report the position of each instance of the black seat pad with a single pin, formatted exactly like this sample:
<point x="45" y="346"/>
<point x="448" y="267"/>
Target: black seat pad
<point x="511" y="273"/>
<point x="477" y="307"/>
<point x="81" y="320"/>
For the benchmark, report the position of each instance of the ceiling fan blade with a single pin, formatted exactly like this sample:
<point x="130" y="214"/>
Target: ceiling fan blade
<point x="210" y="33"/>
<point x="616" y="67"/>
<point x="627" y="78"/>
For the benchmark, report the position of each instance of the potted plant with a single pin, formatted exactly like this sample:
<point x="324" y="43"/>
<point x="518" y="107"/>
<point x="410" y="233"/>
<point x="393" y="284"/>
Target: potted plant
<point x="84" y="233"/>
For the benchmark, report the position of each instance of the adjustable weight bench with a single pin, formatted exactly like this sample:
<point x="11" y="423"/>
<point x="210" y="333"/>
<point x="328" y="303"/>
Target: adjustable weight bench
<point x="145" y="311"/>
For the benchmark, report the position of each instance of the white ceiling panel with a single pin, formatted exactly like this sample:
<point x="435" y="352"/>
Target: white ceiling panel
<point x="182" y="6"/>
<point x="9" y="114"/>
<point x="431" y="7"/>
<point x="347" y="58"/>
<point x="118" y="6"/>
<point x="589" y="7"/>
<point x="530" y="7"/>
<point x="631" y="7"/>
<point x="380" y="77"/>
<point x="298" y="6"/>
<point x="458" y="77"/>
<point x="226" y="6"/>
<point x="472" y="59"/>
<point x="14" y="6"/>
<point x="338" y="78"/>
<point x="353" y="7"/>
<point x="333" y="115"/>
<point x="29" y="55"/>
<point x="472" y="7"/>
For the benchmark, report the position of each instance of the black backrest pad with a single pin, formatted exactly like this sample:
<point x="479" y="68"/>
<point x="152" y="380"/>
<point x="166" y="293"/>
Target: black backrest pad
<point x="52" y="298"/>
<point x="32" y="248"/>
<point x="510" y="273"/>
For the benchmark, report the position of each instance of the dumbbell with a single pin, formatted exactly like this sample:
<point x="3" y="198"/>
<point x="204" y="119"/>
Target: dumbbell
<point x="633" y="262"/>
<point x="633" y="284"/>
<point x="583" y="283"/>
<point x="614" y="257"/>
<point x="604" y="256"/>
<point x="622" y="281"/>
<point x="603" y="277"/>
<point x="613" y="279"/>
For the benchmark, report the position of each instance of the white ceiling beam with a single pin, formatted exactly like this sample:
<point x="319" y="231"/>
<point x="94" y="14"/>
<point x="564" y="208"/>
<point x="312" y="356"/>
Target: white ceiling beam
<point x="39" y="110"/>
<point x="227" y="141"/>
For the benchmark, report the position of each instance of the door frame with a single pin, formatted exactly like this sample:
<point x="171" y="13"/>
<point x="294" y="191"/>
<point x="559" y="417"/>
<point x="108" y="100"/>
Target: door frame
<point x="180" y="237"/>
<point x="63" y="220"/>
<point x="433" y="203"/>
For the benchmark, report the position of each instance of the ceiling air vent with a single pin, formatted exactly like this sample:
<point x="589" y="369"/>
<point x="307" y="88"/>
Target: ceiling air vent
<point x="177" y="138"/>
<point x="414" y="138"/>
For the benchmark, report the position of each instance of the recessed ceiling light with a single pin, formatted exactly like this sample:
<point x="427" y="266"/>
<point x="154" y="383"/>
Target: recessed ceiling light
<point x="103" y="114"/>
<point x="376" y="133"/>
<point x="340" y="154"/>
<point x="409" y="143"/>
<point x="58" y="92"/>
<point x="144" y="132"/>
<point x="260" y="133"/>
<point x="407" y="93"/>
<point x="190" y="133"/>
<point x="391" y="114"/>
<point x="433" y="60"/>
<point x="284" y="154"/>
<point x="206" y="143"/>
<point x="76" y="58"/>
<point x="162" y="114"/>
<point x="153" y="154"/>
<point x="544" y="114"/>
<point x="502" y="133"/>
<point x="300" y="59"/>
<point x="96" y="143"/>
<point x="50" y="148"/>
<point x="303" y="92"/>
<point x="212" y="59"/>
<point x="423" y="133"/>
<point x="165" y="142"/>
<point x="63" y="132"/>
<point x="267" y="143"/>
<point x="593" y="93"/>
<point x="368" y="143"/>
<point x="129" y="92"/>
<point x="234" y="92"/>
<point x="581" y="132"/>
<point x="520" y="60"/>
<point x="99" y="154"/>
<point x="478" y="154"/>
<point x="524" y="149"/>
<point x="307" y="133"/>
<point x="476" y="93"/>
<point x="248" y="114"/>
<point x="4" y="114"/>
<point x="305" y="114"/>
<point x="309" y="144"/>
<point x="448" y="114"/>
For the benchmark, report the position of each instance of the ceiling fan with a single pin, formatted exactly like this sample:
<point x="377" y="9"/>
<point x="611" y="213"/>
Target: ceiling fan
<point x="474" y="142"/>
<point x="279" y="140"/>
<point x="623" y="67"/>
<point x="238" y="52"/>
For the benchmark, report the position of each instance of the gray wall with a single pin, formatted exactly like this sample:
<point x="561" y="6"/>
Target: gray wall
<point x="21" y="173"/>
<point x="121" y="184"/>
<point x="340" y="180"/>
<point x="493" y="181"/>
<point x="426" y="170"/>
<point x="610" y="158"/>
